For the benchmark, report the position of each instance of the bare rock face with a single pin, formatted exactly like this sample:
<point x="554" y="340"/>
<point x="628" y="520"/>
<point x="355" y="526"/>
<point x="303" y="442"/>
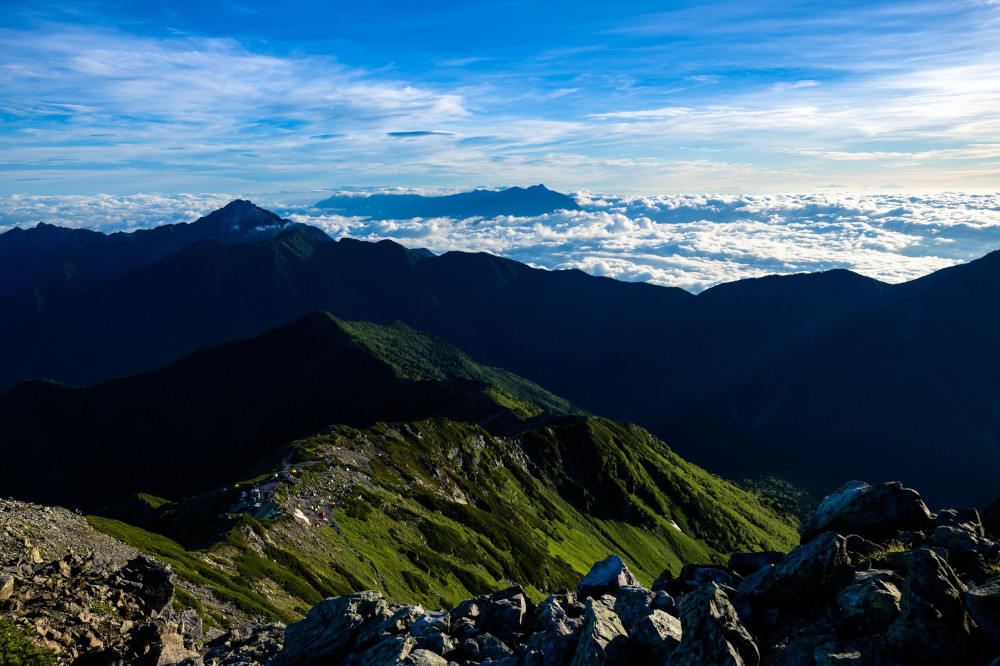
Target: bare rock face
<point x="933" y="626"/>
<point x="602" y="639"/>
<point x="712" y="633"/>
<point x="328" y="632"/>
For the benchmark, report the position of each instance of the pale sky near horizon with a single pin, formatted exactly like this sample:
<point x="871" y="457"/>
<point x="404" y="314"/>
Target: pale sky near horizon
<point x="637" y="97"/>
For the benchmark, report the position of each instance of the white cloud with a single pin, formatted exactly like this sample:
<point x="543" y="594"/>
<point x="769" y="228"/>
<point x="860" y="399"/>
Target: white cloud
<point x="689" y="241"/>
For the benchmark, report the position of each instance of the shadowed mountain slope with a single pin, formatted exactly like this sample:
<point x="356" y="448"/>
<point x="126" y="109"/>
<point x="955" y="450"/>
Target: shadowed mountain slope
<point x="42" y="265"/>
<point x="221" y="411"/>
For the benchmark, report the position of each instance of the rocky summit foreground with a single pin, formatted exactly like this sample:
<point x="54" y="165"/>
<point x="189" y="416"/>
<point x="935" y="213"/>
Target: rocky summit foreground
<point x="877" y="580"/>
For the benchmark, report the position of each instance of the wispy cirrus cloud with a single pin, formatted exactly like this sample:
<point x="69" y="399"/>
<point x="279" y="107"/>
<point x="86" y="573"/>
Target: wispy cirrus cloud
<point x="783" y="95"/>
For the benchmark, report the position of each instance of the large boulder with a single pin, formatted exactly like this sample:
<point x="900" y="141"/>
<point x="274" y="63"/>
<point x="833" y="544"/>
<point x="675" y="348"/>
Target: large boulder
<point x="655" y="637"/>
<point x="712" y="632"/>
<point x="871" y="602"/>
<point x="983" y="602"/>
<point x="813" y="568"/>
<point x="933" y="626"/>
<point x="502" y="614"/>
<point x="632" y="603"/>
<point x="329" y="631"/>
<point x="603" y="637"/>
<point x="605" y="577"/>
<point x="991" y="520"/>
<point x="877" y="513"/>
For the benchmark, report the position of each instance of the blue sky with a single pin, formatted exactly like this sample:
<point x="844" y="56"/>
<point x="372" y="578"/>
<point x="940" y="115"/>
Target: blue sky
<point x="628" y="98"/>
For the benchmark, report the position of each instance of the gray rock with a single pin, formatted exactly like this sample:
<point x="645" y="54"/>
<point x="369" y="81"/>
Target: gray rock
<point x="712" y="633"/>
<point x="745" y="564"/>
<point x="963" y="519"/>
<point x="863" y="652"/>
<point x="486" y="647"/>
<point x="605" y="577"/>
<point x="956" y="540"/>
<point x="431" y="622"/>
<point x="552" y="648"/>
<point x="655" y="637"/>
<point x="991" y="520"/>
<point x="602" y="639"/>
<point x="871" y="601"/>
<point x="502" y="614"/>
<point x="807" y="570"/>
<point x="632" y="604"/>
<point x="983" y="602"/>
<point x="424" y="658"/>
<point x="695" y="575"/>
<point x="877" y="513"/>
<point x="664" y="602"/>
<point x="330" y="629"/>
<point x="387" y="652"/>
<point x="399" y="622"/>
<point x="933" y="626"/>
<point x="6" y="587"/>
<point x="438" y="643"/>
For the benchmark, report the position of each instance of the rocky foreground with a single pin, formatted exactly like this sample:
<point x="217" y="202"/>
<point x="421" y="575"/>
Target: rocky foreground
<point x="877" y="580"/>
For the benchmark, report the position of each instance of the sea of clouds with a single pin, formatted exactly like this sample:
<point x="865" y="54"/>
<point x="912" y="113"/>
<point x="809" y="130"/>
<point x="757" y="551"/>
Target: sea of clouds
<point x="688" y="241"/>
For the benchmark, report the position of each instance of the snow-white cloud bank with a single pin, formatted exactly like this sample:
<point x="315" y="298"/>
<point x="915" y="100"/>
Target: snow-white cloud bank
<point x="689" y="241"/>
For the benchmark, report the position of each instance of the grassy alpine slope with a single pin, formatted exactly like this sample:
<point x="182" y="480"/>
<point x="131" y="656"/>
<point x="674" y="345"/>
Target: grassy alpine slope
<point x="436" y="511"/>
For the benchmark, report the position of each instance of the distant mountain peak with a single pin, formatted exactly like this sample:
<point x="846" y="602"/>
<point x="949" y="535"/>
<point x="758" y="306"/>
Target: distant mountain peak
<point x="243" y="215"/>
<point x="517" y="201"/>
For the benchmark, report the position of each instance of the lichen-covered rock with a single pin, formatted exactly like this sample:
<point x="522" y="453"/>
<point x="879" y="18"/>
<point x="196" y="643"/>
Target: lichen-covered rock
<point x="933" y="626"/>
<point x="329" y="631"/>
<point x="245" y="646"/>
<point x="712" y="632"/>
<point x="502" y="614"/>
<point x="968" y="520"/>
<point x="602" y="639"/>
<point x="983" y="602"/>
<point x="424" y="658"/>
<point x="877" y="513"/>
<point x="387" y="652"/>
<point x="605" y="577"/>
<point x="632" y="603"/>
<point x="655" y="637"/>
<point x="871" y="601"/>
<point x="809" y="569"/>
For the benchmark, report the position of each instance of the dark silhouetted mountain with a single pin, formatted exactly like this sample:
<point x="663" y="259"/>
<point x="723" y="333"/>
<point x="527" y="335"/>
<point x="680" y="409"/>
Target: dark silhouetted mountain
<point x="212" y="293"/>
<point x="24" y="251"/>
<point x="42" y="265"/>
<point x="518" y="201"/>
<point x="817" y="377"/>
<point x="222" y="411"/>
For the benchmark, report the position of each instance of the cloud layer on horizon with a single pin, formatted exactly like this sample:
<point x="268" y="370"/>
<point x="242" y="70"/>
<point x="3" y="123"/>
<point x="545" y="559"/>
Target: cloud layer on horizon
<point x="693" y="241"/>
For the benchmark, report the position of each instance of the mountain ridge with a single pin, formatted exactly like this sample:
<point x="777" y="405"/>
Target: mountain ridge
<point x="514" y="201"/>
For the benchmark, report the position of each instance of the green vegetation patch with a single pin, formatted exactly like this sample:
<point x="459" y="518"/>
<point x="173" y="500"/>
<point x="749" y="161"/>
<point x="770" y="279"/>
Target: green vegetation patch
<point x="17" y="648"/>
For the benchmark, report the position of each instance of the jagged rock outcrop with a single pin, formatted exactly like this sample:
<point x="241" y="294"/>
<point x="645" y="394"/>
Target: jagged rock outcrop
<point x="876" y="513"/>
<point x="98" y="601"/>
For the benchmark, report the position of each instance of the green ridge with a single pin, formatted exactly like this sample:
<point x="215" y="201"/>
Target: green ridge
<point x="439" y="511"/>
